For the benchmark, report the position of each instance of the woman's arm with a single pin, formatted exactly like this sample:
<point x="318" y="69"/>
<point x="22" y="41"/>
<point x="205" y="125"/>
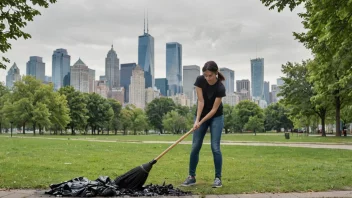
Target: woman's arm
<point x="212" y="112"/>
<point x="200" y="103"/>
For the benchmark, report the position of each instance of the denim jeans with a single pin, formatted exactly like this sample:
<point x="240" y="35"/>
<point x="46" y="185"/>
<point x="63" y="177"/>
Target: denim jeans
<point x="216" y="125"/>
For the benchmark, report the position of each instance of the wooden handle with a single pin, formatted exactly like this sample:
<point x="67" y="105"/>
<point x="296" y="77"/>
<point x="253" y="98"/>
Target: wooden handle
<point x="174" y="144"/>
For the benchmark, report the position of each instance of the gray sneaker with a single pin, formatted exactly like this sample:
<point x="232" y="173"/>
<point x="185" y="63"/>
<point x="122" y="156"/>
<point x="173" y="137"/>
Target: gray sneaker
<point x="190" y="181"/>
<point x="217" y="183"/>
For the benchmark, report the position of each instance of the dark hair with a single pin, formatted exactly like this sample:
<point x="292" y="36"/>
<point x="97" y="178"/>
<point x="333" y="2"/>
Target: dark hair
<point x="213" y="67"/>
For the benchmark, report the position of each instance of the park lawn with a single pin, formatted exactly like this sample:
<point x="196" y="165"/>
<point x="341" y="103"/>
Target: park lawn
<point x="37" y="163"/>
<point x="260" y="137"/>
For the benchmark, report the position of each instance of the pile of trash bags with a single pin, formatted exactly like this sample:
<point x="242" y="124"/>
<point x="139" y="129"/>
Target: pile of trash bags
<point x="104" y="186"/>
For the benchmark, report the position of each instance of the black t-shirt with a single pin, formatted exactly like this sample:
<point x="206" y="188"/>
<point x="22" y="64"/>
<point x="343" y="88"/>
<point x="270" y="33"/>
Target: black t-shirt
<point x="210" y="93"/>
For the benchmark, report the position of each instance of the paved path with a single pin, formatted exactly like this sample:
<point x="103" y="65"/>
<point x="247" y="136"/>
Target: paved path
<point x="36" y="194"/>
<point x="224" y="142"/>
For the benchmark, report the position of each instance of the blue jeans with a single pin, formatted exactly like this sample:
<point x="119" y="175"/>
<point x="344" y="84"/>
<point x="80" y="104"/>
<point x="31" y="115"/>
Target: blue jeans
<point x="216" y="124"/>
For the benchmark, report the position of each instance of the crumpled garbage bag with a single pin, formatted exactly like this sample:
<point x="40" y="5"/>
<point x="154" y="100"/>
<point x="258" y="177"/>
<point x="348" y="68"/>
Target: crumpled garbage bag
<point x="104" y="186"/>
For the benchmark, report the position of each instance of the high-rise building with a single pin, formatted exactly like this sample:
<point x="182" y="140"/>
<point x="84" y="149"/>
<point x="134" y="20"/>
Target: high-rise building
<point x="280" y="82"/>
<point x="273" y="92"/>
<point x="146" y="56"/>
<point x="49" y="79"/>
<point x="243" y="84"/>
<point x="61" y="68"/>
<point x="12" y="76"/>
<point x="137" y="88"/>
<point x="267" y="91"/>
<point x="101" y="88"/>
<point x="257" y="78"/>
<point x="80" y="76"/>
<point x="190" y="74"/>
<point x="174" y="67"/>
<point x="162" y="85"/>
<point x="91" y="81"/>
<point x="125" y="80"/>
<point x="229" y="79"/>
<point x="36" y="67"/>
<point x="112" y="69"/>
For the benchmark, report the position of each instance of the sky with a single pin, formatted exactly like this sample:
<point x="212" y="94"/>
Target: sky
<point x="229" y="32"/>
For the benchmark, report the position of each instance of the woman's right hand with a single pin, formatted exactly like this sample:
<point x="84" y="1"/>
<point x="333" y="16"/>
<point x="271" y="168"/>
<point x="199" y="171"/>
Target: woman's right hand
<point x="196" y="125"/>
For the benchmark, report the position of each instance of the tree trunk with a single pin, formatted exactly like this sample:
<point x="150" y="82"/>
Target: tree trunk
<point x="0" y="128"/>
<point x="40" y="130"/>
<point x="135" y="132"/>
<point x="72" y="130"/>
<point x="323" y="126"/>
<point x="34" y="128"/>
<point x="338" y="109"/>
<point x="24" y="128"/>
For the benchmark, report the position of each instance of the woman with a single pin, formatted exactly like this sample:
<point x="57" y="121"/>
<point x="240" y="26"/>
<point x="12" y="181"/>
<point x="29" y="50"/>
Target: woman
<point x="209" y="113"/>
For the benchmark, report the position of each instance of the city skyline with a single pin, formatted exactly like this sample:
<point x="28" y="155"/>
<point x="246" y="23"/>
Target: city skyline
<point x="231" y="38"/>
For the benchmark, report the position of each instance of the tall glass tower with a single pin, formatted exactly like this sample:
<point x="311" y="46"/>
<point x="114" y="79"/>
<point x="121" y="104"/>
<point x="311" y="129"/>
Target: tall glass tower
<point x="174" y="67"/>
<point x="36" y="67"/>
<point x="61" y="69"/>
<point x="257" y="75"/>
<point x="229" y="82"/>
<point x="146" y="56"/>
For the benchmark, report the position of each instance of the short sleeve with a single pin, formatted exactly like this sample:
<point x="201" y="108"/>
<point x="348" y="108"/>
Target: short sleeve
<point x="198" y="82"/>
<point x="221" y="92"/>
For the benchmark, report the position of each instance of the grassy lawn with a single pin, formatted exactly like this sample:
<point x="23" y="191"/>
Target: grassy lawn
<point x="260" y="137"/>
<point x="36" y="163"/>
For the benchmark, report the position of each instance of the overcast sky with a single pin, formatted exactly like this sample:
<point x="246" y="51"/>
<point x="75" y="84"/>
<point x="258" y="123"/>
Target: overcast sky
<point x="227" y="31"/>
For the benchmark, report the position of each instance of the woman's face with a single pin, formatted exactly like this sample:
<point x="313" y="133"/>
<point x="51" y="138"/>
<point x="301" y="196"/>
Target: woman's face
<point x="210" y="77"/>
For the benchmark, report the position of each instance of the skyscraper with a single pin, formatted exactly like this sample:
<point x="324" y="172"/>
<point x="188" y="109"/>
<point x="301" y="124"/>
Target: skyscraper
<point x="162" y="85"/>
<point x="137" y="88"/>
<point x="80" y="76"/>
<point x="229" y="79"/>
<point x="146" y="56"/>
<point x="12" y="76"/>
<point x="280" y="82"/>
<point x="266" y="92"/>
<point x="257" y="78"/>
<point x="190" y="74"/>
<point x="125" y="81"/>
<point x="174" y="67"/>
<point x="91" y="81"/>
<point x="112" y="69"/>
<point x="36" y="67"/>
<point x="61" y="68"/>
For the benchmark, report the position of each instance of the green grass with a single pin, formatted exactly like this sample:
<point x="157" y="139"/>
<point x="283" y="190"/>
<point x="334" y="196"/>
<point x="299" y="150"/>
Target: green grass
<point x="36" y="163"/>
<point x="261" y="137"/>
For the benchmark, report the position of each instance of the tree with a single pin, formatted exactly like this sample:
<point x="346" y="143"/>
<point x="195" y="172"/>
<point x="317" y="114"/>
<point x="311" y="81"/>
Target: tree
<point x="126" y="119"/>
<point x="14" y="16"/>
<point x="29" y="103"/>
<point x="174" y="122"/>
<point x="77" y="105"/>
<point x="255" y="124"/>
<point x="276" y="117"/>
<point x="59" y="111"/>
<point x="299" y="93"/>
<point x="328" y="25"/>
<point x="246" y="109"/>
<point x="157" y="109"/>
<point x="228" y="119"/>
<point x="100" y="112"/>
<point x="138" y="119"/>
<point x="116" y="107"/>
<point x="4" y="95"/>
